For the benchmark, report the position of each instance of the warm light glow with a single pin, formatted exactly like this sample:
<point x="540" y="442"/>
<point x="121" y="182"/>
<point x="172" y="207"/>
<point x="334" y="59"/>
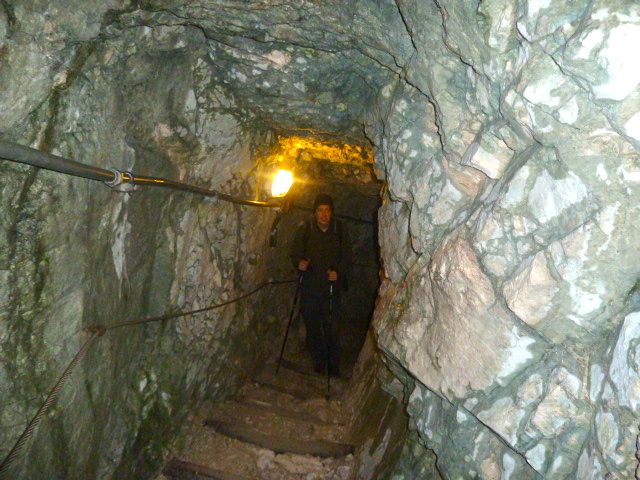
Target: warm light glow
<point x="281" y="183"/>
<point x="292" y="147"/>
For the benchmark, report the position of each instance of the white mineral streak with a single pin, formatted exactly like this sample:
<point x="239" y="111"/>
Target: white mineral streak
<point x="607" y="223"/>
<point x="601" y="171"/>
<point x="590" y="41"/>
<point x="623" y="75"/>
<point x="530" y="293"/>
<point x="534" y="6"/>
<point x="569" y="112"/>
<point x="445" y="204"/>
<point x="517" y="354"/>
<point x="480" y="439"/>
<point x="504" y="418"/>
<point x="573" y="263"/>
<point x="121" y="230"/>
<point x="537" y="457"/>
<point x="596" y="378"/>
<point x="494" y="162"/>
<point x="549" y="197"/>
<point x="517" y="188"/>
<point x="624" y="368"/>
<point x="416" y="395"/>
<point x="461" y="416"/>
<point x="632" y="127"/>
<point x="540" y="92"/>
<point x="508" y="466"/>
<point x="191" y="103"/>
<point x="630" y="173"/>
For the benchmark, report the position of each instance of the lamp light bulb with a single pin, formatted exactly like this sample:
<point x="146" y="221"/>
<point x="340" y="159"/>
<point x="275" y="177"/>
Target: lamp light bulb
<point x="282" y="182"/>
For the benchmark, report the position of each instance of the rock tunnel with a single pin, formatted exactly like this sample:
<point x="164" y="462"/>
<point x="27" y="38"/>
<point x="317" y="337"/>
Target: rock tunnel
<point x="483" y="155"/>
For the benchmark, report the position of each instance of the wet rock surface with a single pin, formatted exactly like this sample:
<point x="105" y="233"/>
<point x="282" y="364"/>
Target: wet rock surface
<point x="507" y="134"/>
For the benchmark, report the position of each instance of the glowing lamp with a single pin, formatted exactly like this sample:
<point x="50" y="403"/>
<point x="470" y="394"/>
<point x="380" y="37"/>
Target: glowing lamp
<point x="282" y="182"/>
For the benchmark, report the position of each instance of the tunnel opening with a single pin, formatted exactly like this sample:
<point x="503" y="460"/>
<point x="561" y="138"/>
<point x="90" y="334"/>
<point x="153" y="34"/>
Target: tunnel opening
<point x="286" y="413"/>
<point x="345" y="172"/>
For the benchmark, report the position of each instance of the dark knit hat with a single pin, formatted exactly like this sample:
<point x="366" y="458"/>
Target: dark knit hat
<point x="322" y="199"/>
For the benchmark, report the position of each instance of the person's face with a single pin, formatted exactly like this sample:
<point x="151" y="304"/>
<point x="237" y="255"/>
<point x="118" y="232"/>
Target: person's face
<point x="323" y="216"/>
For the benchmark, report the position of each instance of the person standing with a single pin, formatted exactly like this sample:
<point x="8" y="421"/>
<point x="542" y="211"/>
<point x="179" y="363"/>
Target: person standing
<point x="321" y="250"/>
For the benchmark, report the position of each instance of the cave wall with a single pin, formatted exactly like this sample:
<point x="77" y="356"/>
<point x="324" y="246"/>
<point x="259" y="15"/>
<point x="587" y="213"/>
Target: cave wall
<point x="74" y="253"/>
<point x="510" y="148"/>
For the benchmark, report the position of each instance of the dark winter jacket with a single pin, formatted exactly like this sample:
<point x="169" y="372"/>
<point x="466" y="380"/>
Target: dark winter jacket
<point x="325" y="250"/>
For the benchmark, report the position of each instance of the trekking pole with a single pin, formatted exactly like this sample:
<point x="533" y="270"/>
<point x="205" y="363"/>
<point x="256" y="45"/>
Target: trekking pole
<point x="296" y="297"/>
<point x="326" y="337"/>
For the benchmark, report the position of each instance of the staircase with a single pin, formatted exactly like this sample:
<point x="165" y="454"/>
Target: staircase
<point x="276" y="427"/>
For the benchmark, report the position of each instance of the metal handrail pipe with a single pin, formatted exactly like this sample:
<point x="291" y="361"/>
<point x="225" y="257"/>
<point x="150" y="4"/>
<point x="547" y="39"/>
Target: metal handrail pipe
<point x="146" y="181"/>
<point x="30" y="156"/>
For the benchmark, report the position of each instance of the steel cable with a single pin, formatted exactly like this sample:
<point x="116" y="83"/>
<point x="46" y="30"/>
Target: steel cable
<point x="51" y="398"/>
<point x="96" y="331"/>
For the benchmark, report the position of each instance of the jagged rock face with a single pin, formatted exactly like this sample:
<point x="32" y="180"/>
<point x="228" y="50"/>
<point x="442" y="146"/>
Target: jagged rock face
<point x="74" y="253"/>
<point x="512" y="161"/>
<point x="507" y="133"/>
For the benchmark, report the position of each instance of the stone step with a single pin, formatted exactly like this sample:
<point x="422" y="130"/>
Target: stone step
<point x="279" y="442"/>
<point x="299" y="393"/>
<point x="302" y="369"/>
<point x="300" y="385"/>
<point x="313" y="409"/>
<point x="271" y="420"/>
<point x="208" y="452"/>
<point x="178" y="469"/>
<point x="308" y="417"/>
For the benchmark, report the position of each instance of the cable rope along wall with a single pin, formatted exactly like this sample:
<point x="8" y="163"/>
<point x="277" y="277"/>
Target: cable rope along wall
<point x="51" y="398"/>
<point x="637" y="472"/>
<point x="98" y="330"/>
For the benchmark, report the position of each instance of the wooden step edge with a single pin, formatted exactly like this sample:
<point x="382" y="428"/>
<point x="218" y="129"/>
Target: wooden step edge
<point x="280" y="444"/>
<point x="297" y="368"/>
<point x="300" y="370"/>
<point x="286" y="412"/>
<point x="177" y="468"/>
<point x="298" y="393"/>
